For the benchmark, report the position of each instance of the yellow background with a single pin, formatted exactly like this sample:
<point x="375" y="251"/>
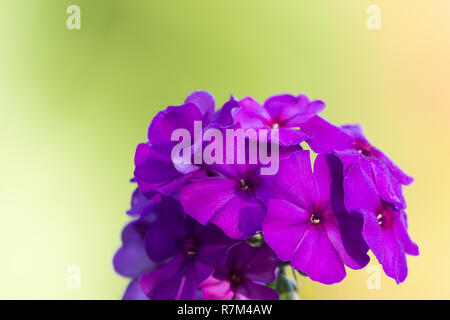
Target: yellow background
<point x="74" y="104"/>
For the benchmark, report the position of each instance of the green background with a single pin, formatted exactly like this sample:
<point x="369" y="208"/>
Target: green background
<point x="75" y="103"/>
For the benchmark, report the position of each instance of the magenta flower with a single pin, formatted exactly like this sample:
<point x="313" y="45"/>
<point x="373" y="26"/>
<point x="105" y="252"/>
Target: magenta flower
<point x="385" y="227"/>
<point x="244" y="276"/>
<point x="283" y="112"/>
<point x="186" y="251"/>
<point x="350" y="144"/>
<point x="308" y="224"/>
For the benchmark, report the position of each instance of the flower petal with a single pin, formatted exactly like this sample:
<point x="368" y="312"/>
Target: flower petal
<point x="316" y="256"/>
<point x="284" y="226"/>
<point x="205" y="102"/>
<point x="250" y="290"/>
<point x="326" y="137"/>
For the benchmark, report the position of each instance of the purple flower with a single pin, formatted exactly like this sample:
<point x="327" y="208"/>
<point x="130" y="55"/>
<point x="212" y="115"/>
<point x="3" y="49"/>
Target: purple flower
<point x="229" y="201"/>
<point x="140" y="205"/>
<point x="234" y="198"/>
<point x="186" y="250"/>
<point x="385" y="227"/>
<point x="131" y="260"/>
<point x="308" y="224"/>
<point x="350" y="144"/>
<point x="155" y="171"/>
<point x="283" y="112"/>
<point x="244" y="276"/>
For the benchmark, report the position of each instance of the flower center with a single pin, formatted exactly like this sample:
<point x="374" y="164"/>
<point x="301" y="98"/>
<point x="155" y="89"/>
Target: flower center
<point x="315" y="218"/>
<point x="190" y="247"/>
<point x="364" y="148"/>
<point x="276" y="125"/>
<point x="235" y="278"/>
<point x="384" y="215"/>
<point x="244" y="185"/>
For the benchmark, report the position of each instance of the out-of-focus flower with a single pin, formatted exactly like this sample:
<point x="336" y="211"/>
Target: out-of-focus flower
<point x="186" y="250"/>
<point x="131" y="260"/>
<point x="286" y="113"/>
<point x="244" y="276"/>
<point x="385" y="227"/>
<point x="308" y="225"/>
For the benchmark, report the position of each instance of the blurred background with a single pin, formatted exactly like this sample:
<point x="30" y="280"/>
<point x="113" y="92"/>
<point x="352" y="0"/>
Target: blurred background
<point x="75" y="103"/>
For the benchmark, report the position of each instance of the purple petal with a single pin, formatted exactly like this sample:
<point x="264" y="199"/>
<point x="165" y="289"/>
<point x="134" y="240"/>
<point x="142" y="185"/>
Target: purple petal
<point x="250" y="290"/>
<point x="174" y="117"/>
<point x="284" y="226"/>
<point x="134" y="292"/>
<point x="360" y="193"/>
<point x="352" y="253"/>
<point x="202" y="199"/>
<point x="223" y="117"/>
<point x="177" y="280"/>
<point x="140" y="205"/>
<point x="155" y="172"/>
<point x="131" y="260"/>
<point x="251" y="114"/>
<point x="218" y="200"/>
<point x="214" y="245"/>
<point x="401" y="176"/>
<point x="284" y="107"/>
<point x="393" y="258"/>
<point x="291" y="137"/>
<point x="205" y="102"/>
<point x="257" y="263"/>
<point x="400" y="227"/>
<point x="326" y="137"/>
<point x="215" y="289"/>
<point x="316" y="256"/>
<point x="389" y="188"/>
<point x="295" y="181"/>
<point x="164" y="235"/>
<point x="163" y="283"/>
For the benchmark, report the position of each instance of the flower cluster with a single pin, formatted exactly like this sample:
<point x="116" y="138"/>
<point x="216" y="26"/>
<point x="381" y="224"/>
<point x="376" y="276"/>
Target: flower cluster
<point x="193" y="221"/>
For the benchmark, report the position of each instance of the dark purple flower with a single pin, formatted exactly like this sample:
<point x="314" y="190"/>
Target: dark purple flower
<point x="244" y="276"/>
<point x="385" y="227"/>
<point x="308" y="224"/>
<point x="131" y="260"/>
<point x="283" y="112"/>
<point x="140" y="205"/>
<point x="187" y="251"/>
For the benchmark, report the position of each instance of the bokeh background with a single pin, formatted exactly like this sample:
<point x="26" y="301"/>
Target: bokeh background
<point x="75" y="103"/>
